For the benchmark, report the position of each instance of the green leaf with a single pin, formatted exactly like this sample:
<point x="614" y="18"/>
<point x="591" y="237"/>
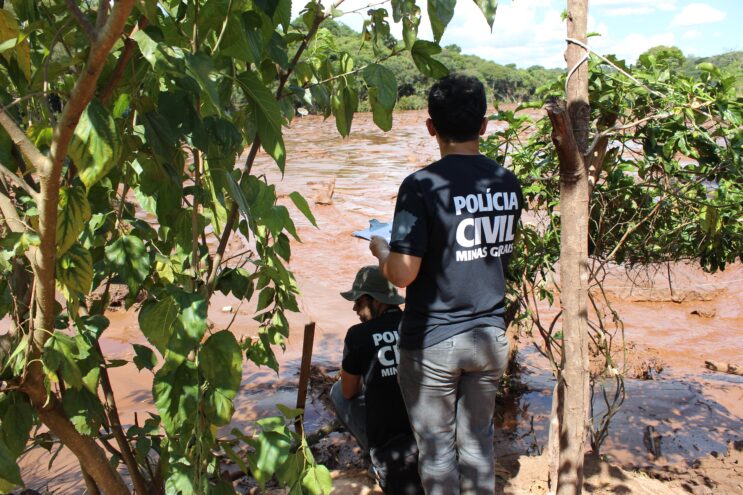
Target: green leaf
<point x="303" y="206"/>
<point x="317" y="481"/>
<point x="283" y="14"/>
<point x="272" y="451"/>
<point x="282" y="246"/>
<point x="488" y="8"/>
<point x="222" y="488"/>
<point x="92" y="327"/>
<point x="121" y="105"/>
<point x="237" y="281"/>
<point x="161" y="58"/>
<point x="160" y="135"/>
<point x="74" y="211"/>
<point x="84" y="410"/>
<point x="200" y="67"/>
<point x="96" y="145"/>
<point x="237" y="194"/>
<point x="128" y="256"/>
<point x="422" y="52"/>
<point x="289" y="412"/>
<point x="181" y="478"/>
<point x="382" y="86"/>
<point x="265" y="298"/>
<point x="9" y="29"/>
<point x="410" y="25"/>
<point x="176" y="397"/>
<point x="144" y="357"/>
<point x="150" y="10"/>
<point x="220" y="363"/>
<point x="440" y="13"/>
<point x="17" y="421"/>
<point x="192" y="320"/>
<point x="267" y="6"/>
<point x="268" y="116"/>
<point x="344" y="103"/>
<point x="75" y="272"/>
<point x="157" y="319"/>
<point x="260" y="353"/>
<point x="243" y="39"/>
<point x="10" y="473"/>
<point x="63" y="353"/>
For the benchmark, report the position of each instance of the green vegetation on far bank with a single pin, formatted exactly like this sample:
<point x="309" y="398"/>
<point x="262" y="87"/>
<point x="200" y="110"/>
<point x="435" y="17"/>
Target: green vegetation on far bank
<point x="506" y="83"/>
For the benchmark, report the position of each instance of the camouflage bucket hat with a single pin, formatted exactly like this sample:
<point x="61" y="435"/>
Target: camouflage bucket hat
<point x="369" y="281"/>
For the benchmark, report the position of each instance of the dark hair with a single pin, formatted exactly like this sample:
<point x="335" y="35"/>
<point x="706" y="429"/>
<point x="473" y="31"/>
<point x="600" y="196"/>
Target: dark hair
<point x="457" y="105"/>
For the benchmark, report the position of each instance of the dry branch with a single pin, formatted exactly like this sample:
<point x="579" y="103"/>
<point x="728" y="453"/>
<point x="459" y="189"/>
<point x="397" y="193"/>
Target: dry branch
<point x="18" y="181"/>
<point x="29" y="151"/>
<point x="732" y="369"/>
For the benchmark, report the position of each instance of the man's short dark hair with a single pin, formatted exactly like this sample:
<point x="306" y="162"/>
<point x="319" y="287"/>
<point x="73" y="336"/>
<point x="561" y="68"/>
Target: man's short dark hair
<point x="457" y="105"/>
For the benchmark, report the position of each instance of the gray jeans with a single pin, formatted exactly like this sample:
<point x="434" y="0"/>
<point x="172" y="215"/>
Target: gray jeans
<point x="449" y="391"/>
<point x="351" y="413"/>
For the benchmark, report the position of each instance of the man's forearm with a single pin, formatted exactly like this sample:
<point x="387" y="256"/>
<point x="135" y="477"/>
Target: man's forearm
<point x="400" y="269"/>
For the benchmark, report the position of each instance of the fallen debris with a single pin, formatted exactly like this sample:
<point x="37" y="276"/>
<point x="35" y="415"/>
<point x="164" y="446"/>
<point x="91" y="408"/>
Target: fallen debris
<point x="732" y="369"/>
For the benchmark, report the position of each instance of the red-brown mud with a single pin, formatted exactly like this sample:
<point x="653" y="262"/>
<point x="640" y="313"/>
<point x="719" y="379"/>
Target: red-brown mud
<point x="694" y="411"/>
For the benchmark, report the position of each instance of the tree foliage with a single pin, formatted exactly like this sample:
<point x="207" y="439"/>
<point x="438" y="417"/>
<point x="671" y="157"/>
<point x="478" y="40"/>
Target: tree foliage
<point x="665" y="187"/>
<point x="504" y="82"/>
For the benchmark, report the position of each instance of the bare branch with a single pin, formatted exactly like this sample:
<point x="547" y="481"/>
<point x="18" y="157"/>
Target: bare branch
<point x="102" y="17"/>
<point x="633" y="229"/>
<point x="365" y="7"/>
<point x="565" y="143"/>
<point x="29" y="151"/>
<point x="224" y="27"/>
<point x="18" y="181"/>
<point x="10" y="215"/>
<point x="88" y="28"/>
<point x="355" y="71"/>
<point x="124" y="58"/>
<point x="624" y="127"/>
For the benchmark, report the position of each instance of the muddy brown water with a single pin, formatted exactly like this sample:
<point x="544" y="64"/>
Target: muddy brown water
<point x="695" y="411"/>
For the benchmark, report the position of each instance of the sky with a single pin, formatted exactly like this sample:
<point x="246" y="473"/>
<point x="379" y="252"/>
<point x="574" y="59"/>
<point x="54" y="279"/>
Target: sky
<point x="531" y="32"/>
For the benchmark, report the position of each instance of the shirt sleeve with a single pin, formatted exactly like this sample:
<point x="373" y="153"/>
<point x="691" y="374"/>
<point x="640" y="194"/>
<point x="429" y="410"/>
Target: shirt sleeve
<point x="352" y="360"/>
<point x="410" y="224"/>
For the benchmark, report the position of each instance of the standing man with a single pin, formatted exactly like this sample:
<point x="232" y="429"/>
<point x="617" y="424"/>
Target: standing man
<point x="452" y="237"/>
<point x="367" y="399"/>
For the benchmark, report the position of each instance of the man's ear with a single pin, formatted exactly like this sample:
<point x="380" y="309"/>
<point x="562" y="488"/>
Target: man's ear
<point x="483" y="126"/>
<point x="430" y="127"/>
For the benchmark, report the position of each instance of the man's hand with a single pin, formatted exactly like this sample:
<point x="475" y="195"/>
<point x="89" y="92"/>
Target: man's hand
<point x="379" y="248"/>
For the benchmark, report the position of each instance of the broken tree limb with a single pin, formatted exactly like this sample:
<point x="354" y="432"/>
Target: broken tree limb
<point x="732" y="369"/>
<point x="572" y="166"/>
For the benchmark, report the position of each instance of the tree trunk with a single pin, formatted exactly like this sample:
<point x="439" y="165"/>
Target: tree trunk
<point x="84" y="448"/>
<point x="570" y="135"/>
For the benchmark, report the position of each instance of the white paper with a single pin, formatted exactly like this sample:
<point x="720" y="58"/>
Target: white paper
<point x="381" y="229"/>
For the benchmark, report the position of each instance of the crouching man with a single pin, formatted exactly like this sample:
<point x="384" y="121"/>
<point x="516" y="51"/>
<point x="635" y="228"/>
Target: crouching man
<point x="367" y="398"/>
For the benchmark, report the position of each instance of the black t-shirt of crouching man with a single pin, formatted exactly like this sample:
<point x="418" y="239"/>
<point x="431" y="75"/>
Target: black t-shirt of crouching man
<point x="371" y="351"/>
<point x="459" y="215"/>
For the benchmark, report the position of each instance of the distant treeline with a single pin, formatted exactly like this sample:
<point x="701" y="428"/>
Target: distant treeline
<point x="505" y="83"/>
<point x="730" y="62"/>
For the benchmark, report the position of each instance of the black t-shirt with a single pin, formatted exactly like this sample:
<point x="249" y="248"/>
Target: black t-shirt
<point x="371" y="351"/>
<point x="459" y="215"/>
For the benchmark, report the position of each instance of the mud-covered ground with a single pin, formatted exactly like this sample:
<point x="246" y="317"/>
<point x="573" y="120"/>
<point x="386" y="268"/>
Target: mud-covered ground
<point x="675" y="433"/>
